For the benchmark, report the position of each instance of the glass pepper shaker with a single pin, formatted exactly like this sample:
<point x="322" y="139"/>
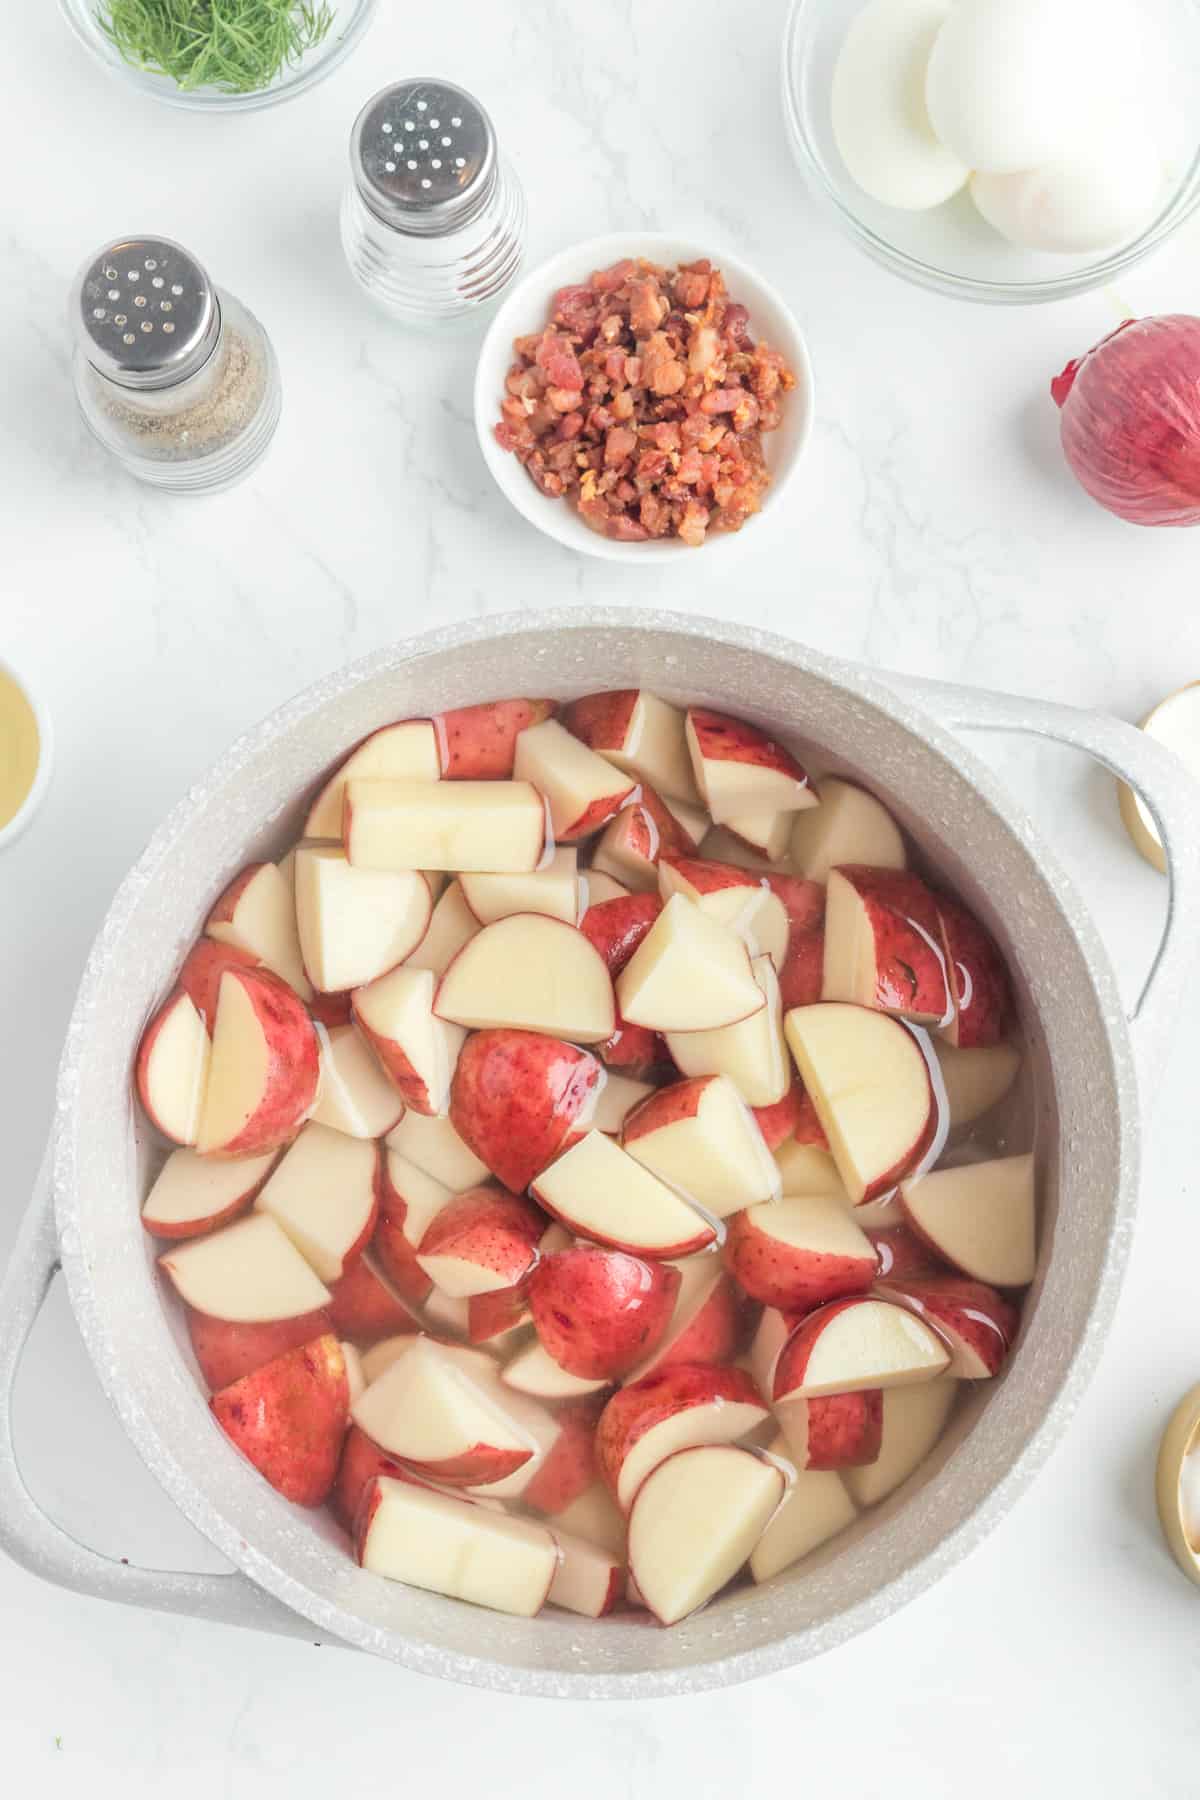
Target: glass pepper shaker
<point x="433" y="218"/>
<point x="172" y="374"/>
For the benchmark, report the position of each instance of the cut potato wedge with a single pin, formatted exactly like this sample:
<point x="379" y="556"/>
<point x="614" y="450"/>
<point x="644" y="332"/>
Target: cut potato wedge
<point x="436" y="1407"/>
<point x="869" y="1081"/>
<point x="534" y="974"/>
<point x="356" y="1096"/>
<point x="602" y="1193"/>
<point x="857" y="1343"/>
<point x="250" y="1274"/>
<point x="491" y="826"/>
<point x="582" y="790"/>
<point x="700" y="1138"/>
<point x="456" y="1547"/>
<point x="849" y="826"/>
<point x="689" y="973"/>
<point x="265" y="1067"/>
<point x="172" y="1069"/>
<point x="193" y="1194"/>
<point x="257" y="913"/>
<point x="696" y="1521"/>
<point x="752" y="1053"/>
<point x="417" y="1050"/>
<point x="354" y="923"/>
<point x="323" y="1194"/>
<point x="980" y="1217"/>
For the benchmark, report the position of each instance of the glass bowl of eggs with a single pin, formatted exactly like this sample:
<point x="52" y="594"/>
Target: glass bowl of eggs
<point x="1007" y="151"/>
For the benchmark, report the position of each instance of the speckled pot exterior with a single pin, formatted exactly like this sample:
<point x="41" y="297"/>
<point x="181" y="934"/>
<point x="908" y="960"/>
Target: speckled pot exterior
<point x="251" y="803"/>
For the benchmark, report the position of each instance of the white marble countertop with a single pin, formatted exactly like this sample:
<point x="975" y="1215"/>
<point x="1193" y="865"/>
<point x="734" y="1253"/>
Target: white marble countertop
<point x="935" y="530"/>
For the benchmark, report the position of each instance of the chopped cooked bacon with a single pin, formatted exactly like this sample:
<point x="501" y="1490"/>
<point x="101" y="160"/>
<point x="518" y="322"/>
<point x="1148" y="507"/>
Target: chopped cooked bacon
<point x="644" y="402"/>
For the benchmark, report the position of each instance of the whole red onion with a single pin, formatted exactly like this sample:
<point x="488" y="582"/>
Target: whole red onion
<point x="1131" y="420"/>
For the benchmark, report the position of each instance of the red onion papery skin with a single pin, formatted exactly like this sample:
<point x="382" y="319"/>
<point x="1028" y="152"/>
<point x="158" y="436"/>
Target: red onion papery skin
<point x="1131" y="420"/>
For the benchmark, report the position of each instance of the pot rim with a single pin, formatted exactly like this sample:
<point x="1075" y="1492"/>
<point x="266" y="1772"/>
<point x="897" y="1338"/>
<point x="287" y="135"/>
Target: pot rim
<point x="723" y="1669"/>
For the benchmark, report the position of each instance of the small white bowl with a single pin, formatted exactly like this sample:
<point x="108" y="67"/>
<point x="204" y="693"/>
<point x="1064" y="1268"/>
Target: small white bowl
<point x="526" y="310"/>
<point x="24" y="814"/>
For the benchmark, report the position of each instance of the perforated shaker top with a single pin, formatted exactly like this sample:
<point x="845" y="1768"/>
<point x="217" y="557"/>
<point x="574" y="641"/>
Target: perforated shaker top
<point x="145" y="313"/>
<point x="423" y="155"/>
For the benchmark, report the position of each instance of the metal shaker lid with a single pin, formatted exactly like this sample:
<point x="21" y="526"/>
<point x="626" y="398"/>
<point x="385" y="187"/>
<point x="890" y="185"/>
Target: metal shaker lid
<point x="145" y="313"/>
<point x="423" y="156"/>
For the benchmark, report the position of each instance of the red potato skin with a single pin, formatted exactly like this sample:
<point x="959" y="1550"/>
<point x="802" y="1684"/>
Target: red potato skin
<point x="594" y="817"/>
<point x="983" y="1003"/>
<point x="792" y="1279"/>
<point x="902" y="1253"/>
<point x="491" y="1315"/>
<point x="634" y="1410"/>
<point x="778" y="1122"/>
<point x="475" y="1467"/>
<point x="720" y="738"/>
<point x="227" y="1351"/>
<point x="803" y="973"/>
<point x="598" y="1313"/>
<point x="364" y="1309"/>
<point x="602" y="721"/>
<point x="803" y="901"/>
<point x="490" y="1228"/>
<point x="842" y="1431"/>
<point x="668" y="1107"/>
<point x="332" y="1010"/>
<point x="809" y="1129"/>
<point x="570" y="1465"/>
<point x="976" y="1322"/>
<point x="395" y="1255"/>
<point x="289" y="1418"/>
<point x="203" y="967"/>
<point x="395" y="1064"/>
<point x="910" y="967"/>
<point x="615" y="928"/>
<point x="361" y="1462"/>
<point x="515" y="1098"/>
<point x="294" y="1066"/>
<point x="705" y="877"/>
<point x="635" y="1050"/>
<point x="713" y="1335"/>
<point x="654" y="830"/>
<point x="479" y="743"/>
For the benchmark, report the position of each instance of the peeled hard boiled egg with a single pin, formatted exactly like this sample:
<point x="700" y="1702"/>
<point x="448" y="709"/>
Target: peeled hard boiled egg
<point x="1081" y="203"/>
<point x="879" y="118"/>
<point x="1013" y="84"/>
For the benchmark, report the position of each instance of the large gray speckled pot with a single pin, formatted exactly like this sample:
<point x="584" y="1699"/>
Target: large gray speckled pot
<point x="291" y="1563"/>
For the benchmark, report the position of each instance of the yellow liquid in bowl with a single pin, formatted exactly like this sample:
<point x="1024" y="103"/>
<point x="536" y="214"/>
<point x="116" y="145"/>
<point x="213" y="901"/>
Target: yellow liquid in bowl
<point x="20" y="749"/>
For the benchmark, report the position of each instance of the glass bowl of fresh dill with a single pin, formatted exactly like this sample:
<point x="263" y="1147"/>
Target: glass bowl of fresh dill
<point x="220" y="55"/>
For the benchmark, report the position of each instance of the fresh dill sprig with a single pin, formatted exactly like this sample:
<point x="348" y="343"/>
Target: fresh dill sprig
<point x="238" y="46"/>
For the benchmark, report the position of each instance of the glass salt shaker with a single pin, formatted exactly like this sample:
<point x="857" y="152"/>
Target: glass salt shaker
<point x="172" y="374"/>
<point x="433" y="218"/>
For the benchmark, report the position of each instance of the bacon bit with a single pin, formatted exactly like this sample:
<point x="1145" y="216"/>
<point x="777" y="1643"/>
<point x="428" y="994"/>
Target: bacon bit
<point x="619" y="445"/>
<point x="644" y="401"/>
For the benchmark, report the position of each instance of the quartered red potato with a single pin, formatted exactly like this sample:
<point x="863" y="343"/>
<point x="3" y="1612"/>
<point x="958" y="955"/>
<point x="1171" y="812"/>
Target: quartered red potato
<point x="581" y="1176"/>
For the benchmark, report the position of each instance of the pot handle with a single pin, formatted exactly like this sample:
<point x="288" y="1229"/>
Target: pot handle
<point x="31" y="1537"/>
<point x="1172" y="798"/>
